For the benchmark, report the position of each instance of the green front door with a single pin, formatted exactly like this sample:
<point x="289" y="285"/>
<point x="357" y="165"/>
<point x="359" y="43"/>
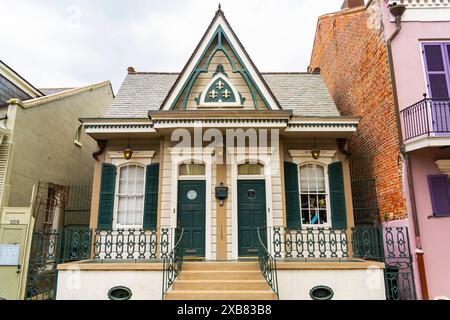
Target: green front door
<point x="251" y="215"/>
<point x="191" y="216"/>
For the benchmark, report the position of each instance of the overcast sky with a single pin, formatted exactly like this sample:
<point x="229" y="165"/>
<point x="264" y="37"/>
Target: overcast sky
<point x="55" y="43"/>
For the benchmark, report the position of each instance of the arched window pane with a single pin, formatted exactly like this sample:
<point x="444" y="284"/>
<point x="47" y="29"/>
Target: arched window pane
<point x="192" y="169"/>
<point x="249" y="169"/>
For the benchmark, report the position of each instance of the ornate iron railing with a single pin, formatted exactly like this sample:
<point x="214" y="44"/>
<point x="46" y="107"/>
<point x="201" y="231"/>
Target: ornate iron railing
<point x="367" y="243"/>
<point x="173" y="263"/>
<point x="389" y="245"/>
<point x="386" y="244"/>
<point x="134" y="244"/>
<point x="267" y="265"/>
<point x="50" y="248"/>
<point x="426" y="117"/>
<point x="308" y="243"/>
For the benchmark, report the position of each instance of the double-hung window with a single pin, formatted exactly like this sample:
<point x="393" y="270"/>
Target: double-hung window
<point x="313" y="194"/>
<point x="130" y="195"/>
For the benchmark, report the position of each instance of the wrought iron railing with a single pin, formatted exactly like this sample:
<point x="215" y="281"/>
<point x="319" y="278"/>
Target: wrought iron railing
<point x="50" y="248"/>
<point x="389" y="245"/>
<point x="267" y="265"/>
<point x="134" y="244"/>
<point x="426" y="117"/>
<point x="367" y="243"/>
<point x="173" y="263"/>
<point x="386" y="244"/>
<point x="308" y="243"/>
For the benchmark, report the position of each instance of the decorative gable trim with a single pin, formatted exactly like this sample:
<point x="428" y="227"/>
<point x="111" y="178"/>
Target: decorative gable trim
<point x="234" y="95"/>
<point x="220" y="29"/>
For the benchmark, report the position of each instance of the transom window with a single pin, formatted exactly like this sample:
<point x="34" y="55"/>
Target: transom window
<point x="251" y="169"/>
<point x="313" y="196"/>
<point x="192" y="169"/>
<point x="130" y="195"/>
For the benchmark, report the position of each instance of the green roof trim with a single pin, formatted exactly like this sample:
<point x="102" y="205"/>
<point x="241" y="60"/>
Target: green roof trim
<point x="219" y="34"/>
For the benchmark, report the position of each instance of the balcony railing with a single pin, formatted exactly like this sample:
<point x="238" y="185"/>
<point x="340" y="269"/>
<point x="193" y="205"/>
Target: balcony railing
<point x="428" y="117"/>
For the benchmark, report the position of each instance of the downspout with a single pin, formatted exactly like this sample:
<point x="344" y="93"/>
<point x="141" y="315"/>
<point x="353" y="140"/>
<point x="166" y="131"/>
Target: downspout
<point x="397" y="11"/>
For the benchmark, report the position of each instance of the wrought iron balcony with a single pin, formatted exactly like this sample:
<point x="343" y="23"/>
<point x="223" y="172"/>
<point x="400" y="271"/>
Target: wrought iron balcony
<point x="426" y="118"/>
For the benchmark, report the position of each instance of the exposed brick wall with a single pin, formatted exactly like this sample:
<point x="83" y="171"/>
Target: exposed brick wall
<point x="351" y="52"/>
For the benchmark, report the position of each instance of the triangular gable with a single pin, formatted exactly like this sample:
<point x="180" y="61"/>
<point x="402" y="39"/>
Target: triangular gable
<point x="219" y="32"/>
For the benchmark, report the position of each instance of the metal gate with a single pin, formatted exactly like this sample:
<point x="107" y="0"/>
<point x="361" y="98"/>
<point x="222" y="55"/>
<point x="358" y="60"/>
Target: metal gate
<point x="58" y="211"/>
<point x="389" y="245"/>
<point x="399" y="273"/>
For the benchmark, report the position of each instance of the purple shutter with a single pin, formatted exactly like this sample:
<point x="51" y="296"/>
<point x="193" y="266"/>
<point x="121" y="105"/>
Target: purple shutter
<point x="437" y="71"/>
<point x="440" y="194"/>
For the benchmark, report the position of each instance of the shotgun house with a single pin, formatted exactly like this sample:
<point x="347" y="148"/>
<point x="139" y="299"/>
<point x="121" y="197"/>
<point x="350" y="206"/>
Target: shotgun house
<point x="201" y="173"/>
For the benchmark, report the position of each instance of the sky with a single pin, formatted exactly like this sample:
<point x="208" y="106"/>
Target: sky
<point x="58" y="43"/>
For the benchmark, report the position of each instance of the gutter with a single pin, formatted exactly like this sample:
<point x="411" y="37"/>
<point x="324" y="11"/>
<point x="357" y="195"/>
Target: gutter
<point x="397" y="11"/>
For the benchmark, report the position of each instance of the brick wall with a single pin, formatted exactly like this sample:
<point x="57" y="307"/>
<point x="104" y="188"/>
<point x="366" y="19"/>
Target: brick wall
<point x="351" y="52"/>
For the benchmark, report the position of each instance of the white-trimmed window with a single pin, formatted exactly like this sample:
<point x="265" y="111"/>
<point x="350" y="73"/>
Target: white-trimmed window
<point x="130" y="195"/>
<point x="313" y="194"/>
<point x="130" y="188"/>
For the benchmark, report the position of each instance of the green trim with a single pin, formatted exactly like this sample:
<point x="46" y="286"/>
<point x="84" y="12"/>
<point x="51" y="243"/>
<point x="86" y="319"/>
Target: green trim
<point x="187" y="86"/>
<point x="220" y="69"/>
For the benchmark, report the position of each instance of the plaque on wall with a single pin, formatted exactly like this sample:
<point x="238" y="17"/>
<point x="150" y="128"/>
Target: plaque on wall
<point x="9" y="254"/>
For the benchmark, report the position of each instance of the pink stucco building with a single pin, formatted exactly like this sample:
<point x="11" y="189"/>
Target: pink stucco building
<point x="418" y="34"/>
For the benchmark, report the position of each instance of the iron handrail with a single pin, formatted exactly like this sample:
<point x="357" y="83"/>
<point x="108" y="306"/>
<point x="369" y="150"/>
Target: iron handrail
<point x="268" y="266"/>
<point x="172" y="265"/>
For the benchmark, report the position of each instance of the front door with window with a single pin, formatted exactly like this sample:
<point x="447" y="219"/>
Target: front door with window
<point x="251" y="215"/>
<point x="191" y="216"/>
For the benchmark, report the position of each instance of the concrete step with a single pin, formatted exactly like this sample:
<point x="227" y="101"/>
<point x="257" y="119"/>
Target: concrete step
<point x="220" y="285"/>
<point x="220" y="275"/>
<point x="220" y="295"/>
<point x="188" y="266"/>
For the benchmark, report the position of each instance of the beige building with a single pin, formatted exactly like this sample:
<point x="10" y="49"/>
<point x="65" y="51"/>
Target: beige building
<point x="41" y="142"/>
<point x="203" y="173"/>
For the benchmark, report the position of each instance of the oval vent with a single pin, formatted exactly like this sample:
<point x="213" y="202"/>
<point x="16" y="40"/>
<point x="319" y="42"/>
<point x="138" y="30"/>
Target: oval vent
<point x="321" y="293"/>
<point x="119" y="293"/>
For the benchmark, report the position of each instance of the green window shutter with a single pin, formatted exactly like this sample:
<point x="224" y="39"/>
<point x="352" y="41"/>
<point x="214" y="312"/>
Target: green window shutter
<point x="337" y="196"/>
<point x="107" y="190"/>
<point x="151" y="196"/>
<point x="293" y="218"/>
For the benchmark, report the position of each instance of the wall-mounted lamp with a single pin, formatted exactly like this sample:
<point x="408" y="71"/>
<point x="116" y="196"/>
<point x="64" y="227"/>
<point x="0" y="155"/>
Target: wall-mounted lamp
<point x="127" y="152"/>
<point x="315" y="151"/>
